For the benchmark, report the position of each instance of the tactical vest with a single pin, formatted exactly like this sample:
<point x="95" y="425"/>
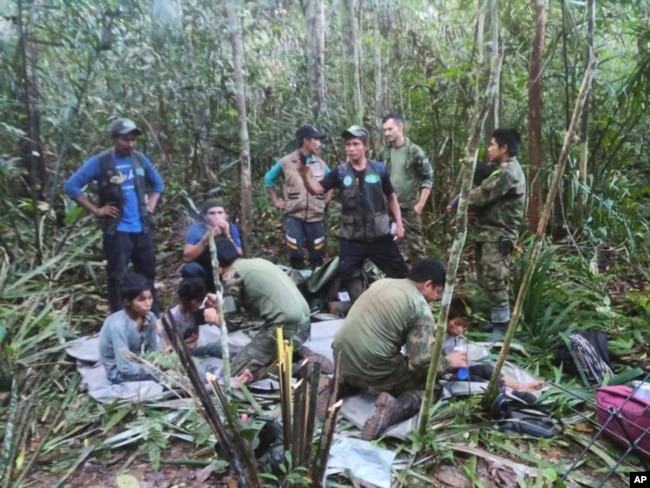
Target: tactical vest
<point x="112" y="192"/>
<point x="299" y="202"/>
<point x="364" y="214"/>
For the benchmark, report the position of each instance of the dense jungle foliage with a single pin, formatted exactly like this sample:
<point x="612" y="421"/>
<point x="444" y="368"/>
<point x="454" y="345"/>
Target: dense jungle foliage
<point x="68" y="66"/>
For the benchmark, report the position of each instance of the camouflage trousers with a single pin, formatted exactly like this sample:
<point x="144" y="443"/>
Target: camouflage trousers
<point x="412" y="246"/>
<point x="401" y="380"/>
<point x="493" y="270"/>
<point x="262" y="351"/>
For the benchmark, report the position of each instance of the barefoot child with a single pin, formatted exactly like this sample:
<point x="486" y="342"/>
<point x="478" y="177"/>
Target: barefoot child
<point x="458" y="322"/>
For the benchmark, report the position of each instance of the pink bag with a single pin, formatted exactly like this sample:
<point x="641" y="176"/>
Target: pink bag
<point x="632" y="420"/>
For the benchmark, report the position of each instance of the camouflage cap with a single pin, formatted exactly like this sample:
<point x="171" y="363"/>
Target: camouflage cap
<point x="356" y="132"/>
<point x="122" y="126"/>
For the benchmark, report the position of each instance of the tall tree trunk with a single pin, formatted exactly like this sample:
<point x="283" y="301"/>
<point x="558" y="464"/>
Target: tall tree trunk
<point x="541" y="228"/>
<point x="315" y="54"/>
<point x="352" y="41"/>
<point x="487" y="42"/>
<point x="492" y="49"/>
<point x="30" y="147"/>
<point x="584" y="122"/>
<point x="240" y="95"/>
<point x="379" y="93"/>
<point x="535" y="151"/>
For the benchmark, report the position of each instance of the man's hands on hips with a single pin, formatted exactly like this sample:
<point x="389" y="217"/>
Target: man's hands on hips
<point x="108" y="210"/>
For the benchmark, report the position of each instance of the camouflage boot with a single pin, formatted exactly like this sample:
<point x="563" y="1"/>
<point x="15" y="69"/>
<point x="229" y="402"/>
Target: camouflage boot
<point x="390" y="411"/>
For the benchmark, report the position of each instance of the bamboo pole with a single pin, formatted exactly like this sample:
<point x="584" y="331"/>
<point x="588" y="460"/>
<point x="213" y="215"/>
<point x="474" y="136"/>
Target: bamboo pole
<point x="569" y="140"/>
<point x="461" y="233"/>
<point x="285" y="354"/>
<point x="225" y="349"/>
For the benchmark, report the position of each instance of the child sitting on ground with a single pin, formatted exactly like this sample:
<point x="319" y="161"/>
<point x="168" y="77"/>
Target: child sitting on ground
<point x="190" y="313"/>
<point x="133" y="328"/>
<point x="458" y="321"/>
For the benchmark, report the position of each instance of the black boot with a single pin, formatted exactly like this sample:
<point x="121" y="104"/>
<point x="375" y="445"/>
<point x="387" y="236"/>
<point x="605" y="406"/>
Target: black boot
<point x="390" y="411"/>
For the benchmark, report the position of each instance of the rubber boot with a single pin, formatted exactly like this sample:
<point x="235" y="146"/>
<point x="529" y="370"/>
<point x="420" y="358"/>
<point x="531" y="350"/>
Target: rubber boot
<point x="498" y="331"/>
<point x="390" y="411"/>
<point x="326" y="366"/>
<point x="500" y="318"/>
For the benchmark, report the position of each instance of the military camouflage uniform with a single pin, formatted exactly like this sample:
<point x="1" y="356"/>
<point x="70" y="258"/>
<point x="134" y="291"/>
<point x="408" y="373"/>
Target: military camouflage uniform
<point x="390" y="315"/>
<point x="408" y="179"/>
<point x="265" y="291"/>
<point x="499" y="203"/>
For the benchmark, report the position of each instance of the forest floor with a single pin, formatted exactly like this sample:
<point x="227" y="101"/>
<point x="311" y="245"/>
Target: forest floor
<point x="85" y="463"/>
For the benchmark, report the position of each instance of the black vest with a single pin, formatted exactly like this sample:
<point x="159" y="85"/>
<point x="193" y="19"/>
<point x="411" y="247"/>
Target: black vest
<point x="364" y="212"/>
<point x="111" y="192"/>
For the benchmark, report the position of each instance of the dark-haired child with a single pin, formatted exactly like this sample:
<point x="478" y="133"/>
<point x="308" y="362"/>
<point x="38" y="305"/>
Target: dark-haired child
<point x="133" y="328"/>
<point x="191" y="312"/>
<point x="458" y="321"/>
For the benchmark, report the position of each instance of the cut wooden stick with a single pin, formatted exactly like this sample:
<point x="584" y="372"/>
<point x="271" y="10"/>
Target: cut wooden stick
<point x="325" y="444"/>
<point x="241" y="458"/>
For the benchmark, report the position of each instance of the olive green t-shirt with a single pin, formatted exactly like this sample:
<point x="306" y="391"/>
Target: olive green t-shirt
<point x="270" y="294"/>
<point x="407" y="188"/>
<point x="391" y="314"/>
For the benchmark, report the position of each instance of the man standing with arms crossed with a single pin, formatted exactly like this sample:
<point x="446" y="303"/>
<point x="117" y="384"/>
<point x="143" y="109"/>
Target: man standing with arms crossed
<point x="412" y="176"/>
<point x="304" y="213"/>
<point x="124" y="176"/>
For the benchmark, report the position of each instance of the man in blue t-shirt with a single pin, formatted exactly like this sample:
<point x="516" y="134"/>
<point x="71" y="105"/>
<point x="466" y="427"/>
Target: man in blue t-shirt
<point x="129" y="188"/>
<point x="196" y="252"/>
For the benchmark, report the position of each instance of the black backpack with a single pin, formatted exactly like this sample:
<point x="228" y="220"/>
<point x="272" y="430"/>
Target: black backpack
<point x="584" y="353"/>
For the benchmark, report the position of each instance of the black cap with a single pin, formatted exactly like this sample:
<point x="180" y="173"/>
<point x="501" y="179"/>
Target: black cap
<point x="124" y="126"/>
<point x="308" y="132"/>
<point x="356" y="131"/>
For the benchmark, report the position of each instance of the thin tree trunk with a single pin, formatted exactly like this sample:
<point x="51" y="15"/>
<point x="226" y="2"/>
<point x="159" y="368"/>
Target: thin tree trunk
<point x="379" y="89"/>
<point x="473" y="143"/>
<point x="535" y="104"/>
<point x="541" y="227"/>
<point x="240" y="95"/>
<point x="584" y="122"/>
<point x="492" y="40"/>
<point x="30" y="146"/>
<point x="315" y="54"/>
<point x="352" y="38"/>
